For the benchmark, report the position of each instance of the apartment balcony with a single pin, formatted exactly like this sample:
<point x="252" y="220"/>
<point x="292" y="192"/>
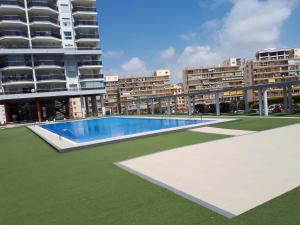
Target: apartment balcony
<point x="48" y="64"/>
<point x="87" y="38"/>
<point x="79" y="11"/>
<point x="11" y="6"/>
<point x="12" y="36"/>
<point x="91" y="64"/>
<point x="86" y="24"/>
<point x="44" y="88"/>
<point x="45" y="38"/>
<point x="44" y="22"/>
<point x="51" y="78"/>
<point x="9" y="21"/>
<point x="15" y="65"/>
<point x="86" y="77"/>
<point x="17" y="80"/>
<point x="42" y="7"/>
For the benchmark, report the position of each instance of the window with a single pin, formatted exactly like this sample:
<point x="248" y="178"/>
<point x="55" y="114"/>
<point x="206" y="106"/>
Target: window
<point x="66" y="22"/>
<point x="68" y="35"/>
<point x="65" y="8"/>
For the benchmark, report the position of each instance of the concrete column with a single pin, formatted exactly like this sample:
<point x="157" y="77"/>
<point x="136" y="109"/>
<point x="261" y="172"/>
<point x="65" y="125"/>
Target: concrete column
<point x="87" y="109"/>
<point x="39" y="111"/>
<point x="138" y="106"/>
<point x="217" y="99"/>
<point x="126" y="108"/>
<point x="189" y="101"/>
<point x="260" y="99"/>
<point x="103" y="105"/>
<point x="152" y="106"/>
<point x="266" y="106"/>
<point x="193" y="104"/>
<point x="176" y="106"/>
<point x="7" y="113"/>
<point x="160" y="106"/>
<point x="285" y="100"/>
<point x="82" y="107"/>
<point x="246" y="101"/>
<point x="168" y="105"/>
<point x="94" y="106"/>
<point x="290" y="99"/>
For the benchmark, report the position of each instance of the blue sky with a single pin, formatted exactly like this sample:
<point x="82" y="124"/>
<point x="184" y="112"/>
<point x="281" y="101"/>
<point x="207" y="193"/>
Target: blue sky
<point x="140" y="36"/>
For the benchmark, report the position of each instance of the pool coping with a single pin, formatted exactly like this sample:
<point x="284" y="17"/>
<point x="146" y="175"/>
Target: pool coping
<point x="62" y="144"/>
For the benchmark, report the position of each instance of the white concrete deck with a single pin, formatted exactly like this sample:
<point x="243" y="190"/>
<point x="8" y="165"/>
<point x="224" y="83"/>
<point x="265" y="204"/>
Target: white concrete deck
<point x="213" y="130"/>
<point x="229" y="176"/>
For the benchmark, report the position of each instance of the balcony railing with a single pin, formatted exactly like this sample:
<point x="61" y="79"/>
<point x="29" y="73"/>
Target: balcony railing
<point x="90" y="63"/>
<point x="87" y="36"/>
<point x="86" y="22"/>
<point x="12" y="3"/>
<point x="44" y="19"/>
<point x="84" y="9"/>
<point x="45" y="34"/>
<point x="42" y="4"/>
<point x="11" y="79"/>
<point x="91" y="76"/>
<point x="48" y="63"/>
<point x="13" y="34"/>
<point x="26" y="63"/>
<point x="51" y="77"/>
<point x="13" y="18"/>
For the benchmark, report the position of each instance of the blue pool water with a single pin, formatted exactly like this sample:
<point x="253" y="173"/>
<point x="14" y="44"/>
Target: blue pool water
<point x="97" y="129"/>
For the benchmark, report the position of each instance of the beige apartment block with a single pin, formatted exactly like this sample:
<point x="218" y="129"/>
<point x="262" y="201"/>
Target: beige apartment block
<point x="112" y="102"/>
<point x="123" y="89"/>
<point x="227" y="75"/>
<point x="274" y="66"/>
<point x="177" y="89"/>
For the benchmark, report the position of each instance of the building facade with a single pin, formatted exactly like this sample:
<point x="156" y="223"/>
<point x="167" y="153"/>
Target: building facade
<point x="123" y="89"/>
<point x="227" y="75"/>
<point x="50" y="62"/>
<point x="274" y="66"/>
<point x="179" y="102"/>
<point x="112" y="97"/>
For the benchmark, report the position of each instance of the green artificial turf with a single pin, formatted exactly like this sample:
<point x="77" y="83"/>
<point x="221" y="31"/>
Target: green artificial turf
<point x="258" y="124"/>
<point x="39" y="186"/>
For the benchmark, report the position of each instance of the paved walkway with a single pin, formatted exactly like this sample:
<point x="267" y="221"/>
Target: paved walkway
<point x="229" y="132"/>
<point x="229" y="176"/>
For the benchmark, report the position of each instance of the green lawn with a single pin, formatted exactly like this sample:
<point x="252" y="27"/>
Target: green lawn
<point x="42" y="187"/>
<point x="258" y="124"/>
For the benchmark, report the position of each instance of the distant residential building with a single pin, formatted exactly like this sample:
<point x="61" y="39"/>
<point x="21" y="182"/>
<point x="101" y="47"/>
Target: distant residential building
<point x="274" y="66"/>
<point x="122" y="89"/>
<point x="177" y="89"/>
<point x="227" y="75"/>
<point x="112" y="97"/>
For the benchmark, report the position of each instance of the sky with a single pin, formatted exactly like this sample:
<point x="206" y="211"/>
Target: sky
<point x="141" y="36"/>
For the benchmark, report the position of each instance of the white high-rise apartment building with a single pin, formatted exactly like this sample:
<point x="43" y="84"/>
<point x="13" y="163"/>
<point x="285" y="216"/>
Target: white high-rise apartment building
<point x="50" y="64"/>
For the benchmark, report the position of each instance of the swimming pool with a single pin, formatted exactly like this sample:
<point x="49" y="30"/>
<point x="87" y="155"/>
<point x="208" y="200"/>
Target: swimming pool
<point x="104" y="128"/>
<point x="65" y="136"/>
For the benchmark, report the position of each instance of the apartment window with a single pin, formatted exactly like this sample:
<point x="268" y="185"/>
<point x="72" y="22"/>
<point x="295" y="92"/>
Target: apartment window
<point x="65" y="8"/>
<point x="66" y="22"/>
<point x="68" y="35"/>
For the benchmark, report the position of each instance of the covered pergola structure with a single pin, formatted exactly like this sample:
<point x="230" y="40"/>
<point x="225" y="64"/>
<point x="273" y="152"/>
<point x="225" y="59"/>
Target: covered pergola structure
<point x="261" y="89"/>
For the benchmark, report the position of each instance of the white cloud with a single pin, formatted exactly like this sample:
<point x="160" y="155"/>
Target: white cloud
<point x="252" y="25"/>
<point x="197" y="55"/>
<point x="189" y="36"/>
<point x="113" y="54"/>
<point x="249" y="26"/>
<point x="167" y="53"/>
<point x="212" y="24"/>
<point x="134" y="65"/>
